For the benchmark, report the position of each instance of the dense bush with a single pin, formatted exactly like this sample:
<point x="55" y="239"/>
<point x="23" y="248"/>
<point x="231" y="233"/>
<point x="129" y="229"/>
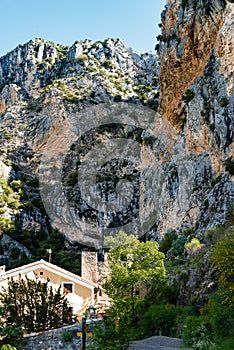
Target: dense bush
<point x="188" y="96"/>
<point x="166" y="242"/>
<point x="213" y="329"/>
<point x="33" y="305"/>
<point x="160" y="319"/>
<point x="223" y="102"/>
<point x="193" y="247"/>
<point x="117" y="98"/>
<point x="10" y="335"/>
<point x="229" y="165"/>
<point x="177" y="247"/>
<point x="67" y="335"/>
<point x="223" y="258"/>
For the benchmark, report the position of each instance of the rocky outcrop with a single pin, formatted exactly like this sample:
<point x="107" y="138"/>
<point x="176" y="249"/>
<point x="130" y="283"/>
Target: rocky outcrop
<point x="189" y="32"/>
<point x="42" y="85"/>
<point x="196" y="51"/>
<point x="10" y="94"/>
<point x="87" y="69"/>
<point x="196" y="96"/>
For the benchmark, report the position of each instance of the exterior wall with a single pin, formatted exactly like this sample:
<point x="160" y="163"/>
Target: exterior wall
<point x="81" y="298"/>
<point x="81" y="294"/>
<point x="91" y="269"/>
<point x="58" y="280"/>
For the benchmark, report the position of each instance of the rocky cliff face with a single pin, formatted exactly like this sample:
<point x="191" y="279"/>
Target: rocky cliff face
<point x="189" y="32"/>
<point x="85" y="69"/>
<point x="196" y="96"/>
<point x="70" y="100"/>
<point x="196" y="87"/>
<point x="42" y="85"/>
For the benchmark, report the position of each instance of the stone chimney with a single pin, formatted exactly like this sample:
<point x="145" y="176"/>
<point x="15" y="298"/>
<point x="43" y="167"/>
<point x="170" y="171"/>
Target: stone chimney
<point x="94" y="266"/>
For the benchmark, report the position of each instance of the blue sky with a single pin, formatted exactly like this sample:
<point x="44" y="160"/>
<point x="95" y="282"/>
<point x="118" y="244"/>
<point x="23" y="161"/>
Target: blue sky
<point x="64" y="21"/>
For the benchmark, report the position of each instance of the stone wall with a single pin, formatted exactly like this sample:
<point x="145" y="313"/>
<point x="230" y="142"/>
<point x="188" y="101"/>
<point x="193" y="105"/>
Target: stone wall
<point x="53" y="340"/>
<point x="92" y="269"/>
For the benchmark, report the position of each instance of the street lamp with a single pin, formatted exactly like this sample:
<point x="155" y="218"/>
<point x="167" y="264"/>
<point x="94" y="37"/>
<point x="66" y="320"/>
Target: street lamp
<point x="91" y="312"/>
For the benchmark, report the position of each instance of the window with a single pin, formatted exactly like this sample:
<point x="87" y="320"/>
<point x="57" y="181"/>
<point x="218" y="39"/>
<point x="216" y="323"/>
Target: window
<point x="101" y="255"/>
<point x="41" y="273"/>
<point x="68" y="287"/>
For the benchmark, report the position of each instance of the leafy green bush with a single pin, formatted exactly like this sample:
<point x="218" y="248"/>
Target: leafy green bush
<point x="16" y="185"/>
<point x="193" y="328"/>
<point x="153" y="104"/>
<point x="38" y="203"/>
<point x="67" y="335"/>
<point x="223" y="102"/>
<point x="160" y="319"/>
<point x="165" y="294"/>
<point x="219" y="318"/>
<point x="82" y="58"/>
<point x="229" y="165"/>
<point x="212" y="127"/>
<point x="188" y="96"/>
<point x="7" y="347"/>
<point x="193" y="247"/>
<point x="177" y="248"/>
<point x="223" y="259"/>
<point x="216" y="180"/>
<point x="7" y="162"/>
<point x="166" y="242"/>
<point x="33" y="182"/>
<point x="108" y="336"/>
<point x="10" y="334"/>
<point x="6" y="225"/>
<point x="117" y="98"/>
<point x="108" y="64"/>
<point x="73" y="178"/>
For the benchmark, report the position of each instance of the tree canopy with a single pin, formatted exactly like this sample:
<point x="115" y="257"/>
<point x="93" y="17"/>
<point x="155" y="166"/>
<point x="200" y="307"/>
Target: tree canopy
<point x="223" y="258"/>
<point x="131" y="263"/>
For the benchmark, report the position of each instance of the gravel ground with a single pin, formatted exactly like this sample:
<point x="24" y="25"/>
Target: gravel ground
<point x="158" y="343"/>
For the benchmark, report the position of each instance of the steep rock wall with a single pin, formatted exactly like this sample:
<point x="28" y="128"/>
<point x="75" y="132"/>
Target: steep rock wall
<point x="189" y="32"/>
<point x="190" y="183"/>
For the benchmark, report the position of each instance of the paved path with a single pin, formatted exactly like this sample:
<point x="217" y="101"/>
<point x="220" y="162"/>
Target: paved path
<point x="158" y="343"/>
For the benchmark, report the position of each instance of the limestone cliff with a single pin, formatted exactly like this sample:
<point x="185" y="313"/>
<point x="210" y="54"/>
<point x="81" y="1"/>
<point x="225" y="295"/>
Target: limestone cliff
<point x="189" y="32"/>
<point x="85" y="69"/>
<point x="42" y="85"/>
<point x="196" y="96"/>
<point x="71" y="100"/>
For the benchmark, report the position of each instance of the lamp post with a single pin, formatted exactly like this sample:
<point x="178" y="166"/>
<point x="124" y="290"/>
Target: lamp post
<point x="84" y="330"/>
<point x="91" y="312"/>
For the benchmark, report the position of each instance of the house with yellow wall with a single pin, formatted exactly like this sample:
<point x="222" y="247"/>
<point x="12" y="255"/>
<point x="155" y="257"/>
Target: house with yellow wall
<point x="80" y="292"/>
